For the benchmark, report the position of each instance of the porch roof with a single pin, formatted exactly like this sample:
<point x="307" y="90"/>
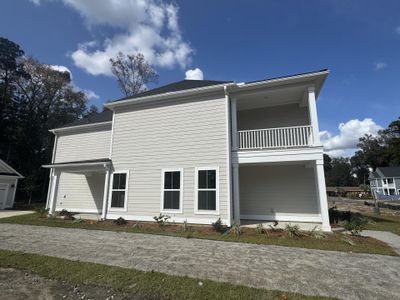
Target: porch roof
<point x="91" y="164"/>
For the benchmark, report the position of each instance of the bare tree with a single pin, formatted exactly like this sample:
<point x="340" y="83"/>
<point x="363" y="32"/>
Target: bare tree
<point x="133" y="73"/>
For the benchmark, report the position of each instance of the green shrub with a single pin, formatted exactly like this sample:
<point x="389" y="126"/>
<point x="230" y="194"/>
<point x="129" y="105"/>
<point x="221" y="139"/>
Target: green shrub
<point x="66" y="215"/>
<point x="293" y="230"/>
<point x="218" y="226"/>
<point x="120" y="221"/>
<point x="260" y="229"/>
<point x="235" y="230"/>
<point x="317" y="234"/>
<point x="161" y="219"/>
<point x="356" y="224"/>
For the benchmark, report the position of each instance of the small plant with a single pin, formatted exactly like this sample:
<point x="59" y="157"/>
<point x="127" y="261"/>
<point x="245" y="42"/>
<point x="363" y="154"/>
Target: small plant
<point x="235" y="230"/>
<point x="347" y="240"/>
<point x="260" y="229"/>
<point x="185" y="227"/>
<point x="317" y="234"/>
<point x="293" y="230"/>
<point x="218" y="226"/>
<point x="274" y="226"/>
<point x="356" y="224"/>
<point x="137" y="225"/>
<point x="161" y="219"/>
<point x="66" y="215"/>
<point x="120" y="221"/>
<point x="42" y="211"/>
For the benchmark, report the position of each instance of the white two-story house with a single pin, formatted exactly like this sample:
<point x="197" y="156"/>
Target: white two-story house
<point x="198" y="150"/>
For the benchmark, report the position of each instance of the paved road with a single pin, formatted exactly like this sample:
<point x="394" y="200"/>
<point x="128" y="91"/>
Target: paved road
<point x="311" y="272"/>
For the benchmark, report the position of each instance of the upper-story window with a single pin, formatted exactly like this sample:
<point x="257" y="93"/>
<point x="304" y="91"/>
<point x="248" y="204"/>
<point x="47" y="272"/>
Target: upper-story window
<point x="390" y="180"/>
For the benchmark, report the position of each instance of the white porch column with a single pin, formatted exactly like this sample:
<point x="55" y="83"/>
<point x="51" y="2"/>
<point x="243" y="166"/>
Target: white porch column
<point x="236" y="196"/>
<point x="234" y="125"/>
<point x="312" y="109"/>
<point x="321" y="193"/>
<point x="105" y="195"/>
<point x="53" y="192"/>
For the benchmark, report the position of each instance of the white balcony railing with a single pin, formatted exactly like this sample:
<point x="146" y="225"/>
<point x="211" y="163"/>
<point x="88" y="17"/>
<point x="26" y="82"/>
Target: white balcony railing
<point x="283" y="137"/>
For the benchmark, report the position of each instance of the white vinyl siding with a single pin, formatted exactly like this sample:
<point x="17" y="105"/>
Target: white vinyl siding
<point x="83" y="192"/>
<point x="273" y="117"/>
<point x="83" y="145"/>
<point x="187" y="134"/>
<point x="274" y="189"/>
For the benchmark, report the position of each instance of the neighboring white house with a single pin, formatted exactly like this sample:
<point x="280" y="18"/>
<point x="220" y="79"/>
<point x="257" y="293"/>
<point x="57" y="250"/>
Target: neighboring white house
<point x="198" y="150"/>
<point x="8" y="185"/>
<point x="385" y="183"/>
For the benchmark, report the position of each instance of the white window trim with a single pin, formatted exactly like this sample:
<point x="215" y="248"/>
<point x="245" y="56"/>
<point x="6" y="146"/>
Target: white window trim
<point x="175" y="211"/>
<point x="196" y="189"/>
<point x="125" y="208"/>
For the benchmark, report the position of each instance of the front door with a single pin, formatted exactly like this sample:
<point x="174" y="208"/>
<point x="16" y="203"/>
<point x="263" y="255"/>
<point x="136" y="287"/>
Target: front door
<point x="3" y="195"/>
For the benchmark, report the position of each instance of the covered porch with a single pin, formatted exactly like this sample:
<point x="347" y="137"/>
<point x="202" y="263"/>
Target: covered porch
<point x="79" y="186"/>
<point x="287" y="192"/>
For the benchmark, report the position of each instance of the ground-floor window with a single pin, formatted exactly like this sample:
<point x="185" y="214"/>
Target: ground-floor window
<point x="119" y="187"/>
<point x="171" y="197"/>
<point x="207" y="182"/>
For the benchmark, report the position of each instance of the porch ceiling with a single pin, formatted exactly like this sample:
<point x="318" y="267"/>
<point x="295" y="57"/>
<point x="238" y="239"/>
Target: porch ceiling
<point x="271" y="97"/>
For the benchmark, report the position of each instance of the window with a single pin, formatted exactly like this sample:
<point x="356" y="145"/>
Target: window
<point x="119" y="190"/>
<point x="390" y="180"/>
<point x="172" y="190"/>
<point x="207" y="190"/>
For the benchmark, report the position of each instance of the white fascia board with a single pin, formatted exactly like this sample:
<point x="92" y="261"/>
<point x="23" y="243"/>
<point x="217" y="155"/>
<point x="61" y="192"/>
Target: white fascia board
<point x="10" y="169"/>
<point x="321" y="75"/>
<point x="112" y="105"/>
<point x="79" y="127"/>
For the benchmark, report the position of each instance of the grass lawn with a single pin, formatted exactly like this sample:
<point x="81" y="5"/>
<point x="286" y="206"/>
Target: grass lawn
<point x="384" y="223"/>
<point x="146" y="285"/>
<point x="333" y="242"/>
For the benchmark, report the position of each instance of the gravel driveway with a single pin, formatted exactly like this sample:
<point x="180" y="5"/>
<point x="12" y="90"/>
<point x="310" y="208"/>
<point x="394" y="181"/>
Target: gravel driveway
<point x="310" y="272"/>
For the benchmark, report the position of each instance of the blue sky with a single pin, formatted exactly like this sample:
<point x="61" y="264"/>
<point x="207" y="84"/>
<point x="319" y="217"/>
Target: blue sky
<point x="359" y="41"/>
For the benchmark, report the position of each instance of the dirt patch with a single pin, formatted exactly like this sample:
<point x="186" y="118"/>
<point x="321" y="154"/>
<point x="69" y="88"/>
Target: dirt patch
<point x="360" y="207"/>
<point x="22" y="285"/>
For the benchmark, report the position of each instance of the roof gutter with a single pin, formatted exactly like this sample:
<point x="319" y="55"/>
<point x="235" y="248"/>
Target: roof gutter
<point x="71" y="128"/>
<point x="112" y="105"/>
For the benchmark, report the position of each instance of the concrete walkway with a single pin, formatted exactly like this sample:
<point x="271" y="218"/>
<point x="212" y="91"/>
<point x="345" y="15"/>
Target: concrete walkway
<point x="310" y="272"/>
<point x="393" y="240"/>
<point x="14" y="213"/>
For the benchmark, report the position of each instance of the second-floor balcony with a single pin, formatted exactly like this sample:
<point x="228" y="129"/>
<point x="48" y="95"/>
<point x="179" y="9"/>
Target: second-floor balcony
<point x="274" y="138"/>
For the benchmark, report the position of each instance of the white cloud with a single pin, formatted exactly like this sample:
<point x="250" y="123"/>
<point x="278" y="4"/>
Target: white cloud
<point x="150" y="27"/>
<point x="380" y="65"/>
<point x="344" y="143"/>
<point x="194" y="74"/>
<point x="36" y="2"/>
<point x="89" y="93"/>
<point x="397" y="29"/>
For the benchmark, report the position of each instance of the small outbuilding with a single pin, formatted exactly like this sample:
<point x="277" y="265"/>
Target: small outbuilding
<point x="8" y="185"/>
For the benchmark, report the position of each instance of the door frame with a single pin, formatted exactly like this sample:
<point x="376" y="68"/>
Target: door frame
<point x="7" y="186"/>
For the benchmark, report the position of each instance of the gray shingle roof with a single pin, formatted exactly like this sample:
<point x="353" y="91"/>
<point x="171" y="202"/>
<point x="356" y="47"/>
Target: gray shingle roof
<point x="175" y="87"/>
<point x="388" y="171"/>
<point x="104" y="116"/>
